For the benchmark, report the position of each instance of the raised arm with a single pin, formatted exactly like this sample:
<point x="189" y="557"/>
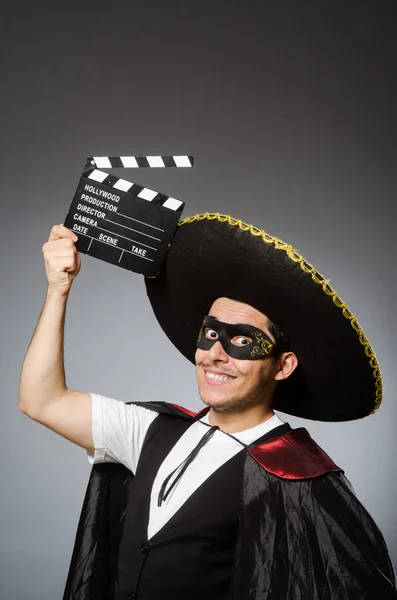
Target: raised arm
<point x="44" y="395"/>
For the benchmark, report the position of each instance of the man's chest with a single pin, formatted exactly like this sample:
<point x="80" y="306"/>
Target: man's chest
<point x="166" y="449"/>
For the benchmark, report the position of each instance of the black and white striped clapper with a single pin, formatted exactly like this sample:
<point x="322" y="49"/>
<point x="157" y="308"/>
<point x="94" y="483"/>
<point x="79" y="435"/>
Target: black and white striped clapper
<point x="121" y="222"/>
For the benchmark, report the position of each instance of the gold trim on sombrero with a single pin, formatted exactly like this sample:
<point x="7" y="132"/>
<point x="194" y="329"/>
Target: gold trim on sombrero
<point x="316" y="277"/>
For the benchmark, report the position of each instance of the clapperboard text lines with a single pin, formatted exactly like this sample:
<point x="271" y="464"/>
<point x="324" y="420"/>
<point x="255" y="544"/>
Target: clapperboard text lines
<point x="109" y="244"/>
<point x="106" y="206"/>
<point x="125" y="238"/>
<point x="131" y="229"/>
<point x="141" y="222"/>
<point x="138" y="248"/>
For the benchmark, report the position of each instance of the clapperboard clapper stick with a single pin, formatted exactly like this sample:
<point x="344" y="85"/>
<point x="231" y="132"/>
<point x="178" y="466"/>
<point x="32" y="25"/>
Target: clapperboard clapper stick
<point x="121" y="222"/>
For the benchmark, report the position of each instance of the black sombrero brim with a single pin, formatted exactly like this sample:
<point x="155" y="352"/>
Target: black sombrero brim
<point x="212" y="256"/>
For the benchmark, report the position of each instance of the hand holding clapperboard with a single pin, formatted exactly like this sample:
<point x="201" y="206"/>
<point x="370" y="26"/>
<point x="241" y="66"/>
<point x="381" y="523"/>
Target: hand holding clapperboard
<point x="121" y="222"/>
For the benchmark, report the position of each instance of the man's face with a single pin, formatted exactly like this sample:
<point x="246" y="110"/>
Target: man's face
<point x="228" y="384"/>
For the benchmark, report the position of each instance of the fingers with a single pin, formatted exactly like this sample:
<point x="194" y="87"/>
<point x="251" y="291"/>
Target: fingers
<point x="58" y="245"/>
<point x="61" y="243"/>
<point x="62" y="232"/>
<point x="61" y="259"/>
<point x="63" y="263"/>
<point x="59" y="248"/>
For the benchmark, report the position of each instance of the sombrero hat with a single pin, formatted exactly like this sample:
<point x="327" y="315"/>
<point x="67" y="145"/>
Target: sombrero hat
<point x="214" y="255"/>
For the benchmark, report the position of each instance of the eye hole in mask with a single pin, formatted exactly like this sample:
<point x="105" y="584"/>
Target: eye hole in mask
<point x="241" y="341"/>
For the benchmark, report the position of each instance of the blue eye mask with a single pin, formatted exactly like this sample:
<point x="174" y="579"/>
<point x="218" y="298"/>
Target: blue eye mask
<point x="257" y="343"/>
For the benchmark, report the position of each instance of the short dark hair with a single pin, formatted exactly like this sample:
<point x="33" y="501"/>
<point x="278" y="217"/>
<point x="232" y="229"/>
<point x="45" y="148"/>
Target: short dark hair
<point x="282" y="342"/>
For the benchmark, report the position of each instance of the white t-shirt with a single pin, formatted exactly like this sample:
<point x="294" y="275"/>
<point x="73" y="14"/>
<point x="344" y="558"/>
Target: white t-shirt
<point x="119" y="431"/>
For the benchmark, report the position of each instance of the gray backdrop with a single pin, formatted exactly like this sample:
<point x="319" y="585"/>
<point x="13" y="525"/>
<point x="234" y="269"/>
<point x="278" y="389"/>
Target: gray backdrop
<point x="290" y="111"/>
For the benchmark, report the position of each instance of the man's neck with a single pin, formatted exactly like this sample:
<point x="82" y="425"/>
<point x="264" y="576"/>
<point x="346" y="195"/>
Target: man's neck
<point x="235" y="422"/>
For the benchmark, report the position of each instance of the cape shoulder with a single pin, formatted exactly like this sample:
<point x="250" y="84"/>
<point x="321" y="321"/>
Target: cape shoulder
<point x="293" y="455"/>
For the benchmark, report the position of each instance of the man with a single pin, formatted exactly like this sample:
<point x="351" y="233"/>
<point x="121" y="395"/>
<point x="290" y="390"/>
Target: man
<point x="229" y="503"/>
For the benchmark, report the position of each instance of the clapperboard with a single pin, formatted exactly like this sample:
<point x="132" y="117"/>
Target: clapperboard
<point x="121" y="222"/>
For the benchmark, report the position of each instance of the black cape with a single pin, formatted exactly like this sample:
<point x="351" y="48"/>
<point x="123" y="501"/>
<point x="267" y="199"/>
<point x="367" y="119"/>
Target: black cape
<point x="303" y="534"/>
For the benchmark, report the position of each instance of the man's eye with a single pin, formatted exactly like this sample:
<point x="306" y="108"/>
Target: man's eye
<point x="210" y="334"/>
<point x="241" y="340"/>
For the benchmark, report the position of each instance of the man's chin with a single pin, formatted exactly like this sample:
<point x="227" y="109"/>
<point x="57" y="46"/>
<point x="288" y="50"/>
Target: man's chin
<point x="223" y="405"/>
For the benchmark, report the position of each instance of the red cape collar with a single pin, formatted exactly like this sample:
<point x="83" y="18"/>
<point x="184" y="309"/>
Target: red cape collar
<point x="293" y="455"/>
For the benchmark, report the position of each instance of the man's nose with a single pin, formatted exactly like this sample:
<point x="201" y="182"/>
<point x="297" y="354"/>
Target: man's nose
<point x="217" y="353"/>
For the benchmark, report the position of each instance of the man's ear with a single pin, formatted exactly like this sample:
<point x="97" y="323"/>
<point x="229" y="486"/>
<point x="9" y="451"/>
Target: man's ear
<point x="287" y="364"/>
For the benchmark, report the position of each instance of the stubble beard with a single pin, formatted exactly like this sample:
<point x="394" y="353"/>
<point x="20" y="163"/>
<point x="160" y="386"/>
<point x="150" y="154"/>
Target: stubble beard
<point x="239" y="404"/>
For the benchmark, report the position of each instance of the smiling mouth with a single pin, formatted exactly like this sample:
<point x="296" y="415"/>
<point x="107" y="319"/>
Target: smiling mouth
<point x="217" y="378"/>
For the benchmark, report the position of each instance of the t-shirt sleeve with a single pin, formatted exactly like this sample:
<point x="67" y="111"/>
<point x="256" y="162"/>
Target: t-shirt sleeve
<point x="118" y="431"/>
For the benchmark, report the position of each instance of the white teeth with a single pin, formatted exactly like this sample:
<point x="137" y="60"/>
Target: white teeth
<point x="218" y="377"/>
